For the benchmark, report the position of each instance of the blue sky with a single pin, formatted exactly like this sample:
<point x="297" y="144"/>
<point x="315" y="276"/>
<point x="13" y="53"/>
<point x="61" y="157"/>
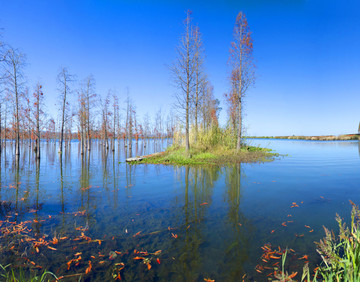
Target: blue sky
<point x="306" y="52"/>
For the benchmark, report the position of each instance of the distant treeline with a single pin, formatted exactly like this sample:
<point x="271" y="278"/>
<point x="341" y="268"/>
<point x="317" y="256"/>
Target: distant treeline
<point x="320" y="138"/>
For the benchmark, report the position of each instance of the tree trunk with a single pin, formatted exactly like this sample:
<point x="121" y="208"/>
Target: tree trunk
<point x="62" y="122"/>
<point x="238" y="144"/>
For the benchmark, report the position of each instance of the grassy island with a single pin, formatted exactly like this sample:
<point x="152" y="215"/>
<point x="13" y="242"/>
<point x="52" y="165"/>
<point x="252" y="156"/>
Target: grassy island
<point x="176" y="155"/>
<point x="216" y="146"/>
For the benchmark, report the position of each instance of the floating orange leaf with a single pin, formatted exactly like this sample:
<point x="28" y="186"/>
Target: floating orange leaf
<point x="88" y="269"/>
<point x="137" y="234"/>
<point x="138" y="258"/>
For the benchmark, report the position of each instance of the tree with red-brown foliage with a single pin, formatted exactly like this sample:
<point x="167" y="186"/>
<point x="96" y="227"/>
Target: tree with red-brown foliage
<point x="242" y="74"/>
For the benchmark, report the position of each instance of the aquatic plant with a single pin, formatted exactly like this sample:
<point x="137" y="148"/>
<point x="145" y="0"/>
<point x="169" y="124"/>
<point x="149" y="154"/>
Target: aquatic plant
<point x="341" y="254"/>
<point x="10" y="275"/>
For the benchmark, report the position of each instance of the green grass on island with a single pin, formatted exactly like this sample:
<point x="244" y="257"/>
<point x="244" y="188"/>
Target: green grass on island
<point x="176" y="155"/>
<point x="214" y="146"/>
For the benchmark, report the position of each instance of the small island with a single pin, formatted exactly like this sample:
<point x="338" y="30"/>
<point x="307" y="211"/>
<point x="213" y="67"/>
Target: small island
<point x="176" y="155"/>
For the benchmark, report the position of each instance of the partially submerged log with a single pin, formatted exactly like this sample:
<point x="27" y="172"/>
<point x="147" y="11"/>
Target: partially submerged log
<point x="138" y="159"/>
<point x="135" y="159"/>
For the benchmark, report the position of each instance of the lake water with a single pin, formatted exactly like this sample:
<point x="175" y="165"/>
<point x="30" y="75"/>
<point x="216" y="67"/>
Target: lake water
<point x="208" y="222"/>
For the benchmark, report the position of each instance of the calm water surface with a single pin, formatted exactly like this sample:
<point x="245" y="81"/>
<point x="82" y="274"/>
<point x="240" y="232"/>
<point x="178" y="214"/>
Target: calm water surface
<point x="208" y="222"/>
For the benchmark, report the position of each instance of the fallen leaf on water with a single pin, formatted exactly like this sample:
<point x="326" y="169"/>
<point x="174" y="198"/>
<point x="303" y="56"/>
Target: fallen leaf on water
<point x="158" y="260"/>
<point x="204" y="203"/>
<point x="209" y="280"/>
<point x="137" y="234"/>
<point x="138" y="258"/>
<point x="88" y="269"/>
<point x="292" y="275"/>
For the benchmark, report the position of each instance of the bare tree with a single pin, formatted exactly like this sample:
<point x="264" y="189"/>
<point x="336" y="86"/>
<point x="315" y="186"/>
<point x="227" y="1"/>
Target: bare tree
<point x="183" y="72"/>
<point x="105" y="120"/>
<point x="146" y="126"/>
<point x="14" y="67"/>
<point x="129" y="120"/>
<point x="116" y="118"/>
<point x="64" y="80"/>
<point x="199" y="76"/>
<point x="208" y="96"/>
<point x="241" y="60"/>
<point x="38" y="116"/>
<point x="2" y="87"/>
<point x="90" y="97"/>
<point x="158" y="130"/>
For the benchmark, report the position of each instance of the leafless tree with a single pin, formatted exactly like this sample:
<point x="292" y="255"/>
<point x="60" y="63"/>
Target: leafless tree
<point x="129" y="120"/>
<point x="105" y="120"/>
<point x="14" y="73"/>
<point x="116" y="118"/>
<point x="199" y="76"/>
<point x="90" y="97"/>
<point x="38" y="116"/>
<point x="184" y="75"/>
<point x="146" y="126"/>
<point x="64" y="80"/>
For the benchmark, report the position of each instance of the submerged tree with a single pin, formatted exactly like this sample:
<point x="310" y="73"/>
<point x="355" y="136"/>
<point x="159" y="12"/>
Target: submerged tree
<point x="14" y="65"/>
<point x="38" y="116"/>
<point x="241" y="60"/>
<point x="64" y="79"/>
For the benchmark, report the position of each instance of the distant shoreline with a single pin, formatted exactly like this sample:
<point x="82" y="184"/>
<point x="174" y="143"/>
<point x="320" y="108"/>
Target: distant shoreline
<point x="315" y="138"/>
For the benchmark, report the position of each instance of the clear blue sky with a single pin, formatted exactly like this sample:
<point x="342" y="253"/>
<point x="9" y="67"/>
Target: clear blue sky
<point x="307" y="54"/>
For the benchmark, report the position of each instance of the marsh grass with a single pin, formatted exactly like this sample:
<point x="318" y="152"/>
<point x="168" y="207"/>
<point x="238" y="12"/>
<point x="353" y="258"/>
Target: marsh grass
<point x="340" y="254"/>
<point x="9" y="274"/>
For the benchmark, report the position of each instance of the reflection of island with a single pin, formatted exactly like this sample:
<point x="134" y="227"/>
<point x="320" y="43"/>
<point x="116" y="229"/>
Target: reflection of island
<point x="359" y="147"/>
<point x="237" y="250"/>
<point x="231" y="236"/>
<point x="198" y="190"/>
